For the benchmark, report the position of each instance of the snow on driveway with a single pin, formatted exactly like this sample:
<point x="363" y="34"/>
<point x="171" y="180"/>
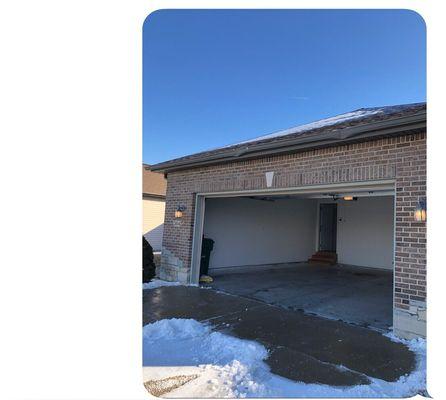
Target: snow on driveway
<point x="219" y="365"/>
<point x="156" y="283"/>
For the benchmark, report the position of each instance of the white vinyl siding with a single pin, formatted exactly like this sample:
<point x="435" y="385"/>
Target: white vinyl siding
<point x="153" y="222"/>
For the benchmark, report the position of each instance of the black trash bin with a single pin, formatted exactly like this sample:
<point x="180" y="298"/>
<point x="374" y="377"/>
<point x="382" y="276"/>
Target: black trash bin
<point x="206" y="248"/>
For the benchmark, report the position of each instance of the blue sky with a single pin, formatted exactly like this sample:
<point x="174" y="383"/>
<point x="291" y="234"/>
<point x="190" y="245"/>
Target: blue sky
<point x="216" y="77"/>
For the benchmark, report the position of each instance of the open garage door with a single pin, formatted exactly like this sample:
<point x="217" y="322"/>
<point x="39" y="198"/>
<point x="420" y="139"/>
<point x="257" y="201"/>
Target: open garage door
<point x="329" y="253"/>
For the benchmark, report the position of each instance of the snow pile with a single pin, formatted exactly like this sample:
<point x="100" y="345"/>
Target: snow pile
<point x="193" y="343"/>
<point x="226" y="365"/>
<point x="230" y="367"/>
<point x="156" y="283"/>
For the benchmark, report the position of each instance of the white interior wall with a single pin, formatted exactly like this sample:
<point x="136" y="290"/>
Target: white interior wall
<point x="365" y="232"/>
<point x="254" y="232"/>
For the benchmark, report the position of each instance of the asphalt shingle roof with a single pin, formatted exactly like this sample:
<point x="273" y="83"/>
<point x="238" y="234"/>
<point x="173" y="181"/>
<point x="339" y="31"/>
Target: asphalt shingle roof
<point x="153" y="183"/>
<point x="326" y="126"/>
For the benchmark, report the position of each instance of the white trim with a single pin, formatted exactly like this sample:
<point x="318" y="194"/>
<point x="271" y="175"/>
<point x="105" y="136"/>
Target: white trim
<point x="316" y="241"/>
<point x="393" y="261"/>
<point x="197" y="237"/>
<point x="376" y="193"/>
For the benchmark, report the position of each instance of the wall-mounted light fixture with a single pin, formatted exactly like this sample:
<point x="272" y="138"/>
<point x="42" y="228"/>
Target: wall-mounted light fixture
<point x="350" y="198"/>
<point x="179" y="211"/>
<point x="419" y="213"/>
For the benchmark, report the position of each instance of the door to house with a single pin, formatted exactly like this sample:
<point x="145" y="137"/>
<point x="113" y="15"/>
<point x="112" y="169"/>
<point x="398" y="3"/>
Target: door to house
<point x="327" y="227"/>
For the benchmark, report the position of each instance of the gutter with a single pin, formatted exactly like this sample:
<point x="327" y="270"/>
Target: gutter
<point x="153" y="196"/>
<point x="386" y="128"/>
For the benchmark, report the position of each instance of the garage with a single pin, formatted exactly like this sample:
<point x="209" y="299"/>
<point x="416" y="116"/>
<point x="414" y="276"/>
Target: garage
<point x="328" y="253"/>
<point x="347" y="193"/>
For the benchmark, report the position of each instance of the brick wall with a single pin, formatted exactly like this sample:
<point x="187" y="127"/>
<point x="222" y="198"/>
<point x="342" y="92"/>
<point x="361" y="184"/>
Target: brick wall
<point x="402" y="158"/>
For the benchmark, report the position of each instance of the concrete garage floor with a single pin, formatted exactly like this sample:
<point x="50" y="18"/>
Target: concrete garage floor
<point x="301" y="347"/>
<point x="352" y="294"/>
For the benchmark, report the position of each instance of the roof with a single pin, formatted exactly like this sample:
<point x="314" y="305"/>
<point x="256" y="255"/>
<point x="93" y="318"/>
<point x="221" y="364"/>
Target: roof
<point x="153" y="183"/>
<point x="361" y="124"/>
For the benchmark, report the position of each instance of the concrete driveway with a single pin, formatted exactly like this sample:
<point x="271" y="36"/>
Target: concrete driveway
<point x="301" y="347"/>
<point x="358" y="295"/>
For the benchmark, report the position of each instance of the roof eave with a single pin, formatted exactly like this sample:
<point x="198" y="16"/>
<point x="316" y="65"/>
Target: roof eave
<point x="390" y="127"/>
<point x="153" y="196"/>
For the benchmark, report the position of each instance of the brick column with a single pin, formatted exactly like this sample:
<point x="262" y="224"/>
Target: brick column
<point x="410" y="245"/>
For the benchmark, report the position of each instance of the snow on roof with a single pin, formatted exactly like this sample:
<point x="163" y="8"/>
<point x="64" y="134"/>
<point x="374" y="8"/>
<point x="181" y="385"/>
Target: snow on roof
<point x="322" y="123"/>
<point x="326" y="126"/>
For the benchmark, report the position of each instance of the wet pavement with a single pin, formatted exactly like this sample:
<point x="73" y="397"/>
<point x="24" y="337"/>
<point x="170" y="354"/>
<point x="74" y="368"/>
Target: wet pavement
<point x="301" y="347"/>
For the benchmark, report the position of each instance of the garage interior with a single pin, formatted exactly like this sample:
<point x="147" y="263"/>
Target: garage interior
<point x="328" y="254"/>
